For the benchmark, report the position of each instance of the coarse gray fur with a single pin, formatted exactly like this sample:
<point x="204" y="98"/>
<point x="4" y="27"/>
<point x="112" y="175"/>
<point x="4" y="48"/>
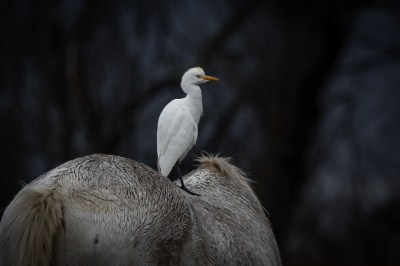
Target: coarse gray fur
<point x="109" y="210"/>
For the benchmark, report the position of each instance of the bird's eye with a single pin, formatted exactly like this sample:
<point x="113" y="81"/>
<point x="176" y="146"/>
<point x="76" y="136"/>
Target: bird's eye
<point x="198" y="76"/>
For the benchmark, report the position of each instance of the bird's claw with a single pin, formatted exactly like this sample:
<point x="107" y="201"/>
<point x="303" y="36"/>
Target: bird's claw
<point x="188" y="191"/>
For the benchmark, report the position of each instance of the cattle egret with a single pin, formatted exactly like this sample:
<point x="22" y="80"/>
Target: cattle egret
<point x="177" y="125"/>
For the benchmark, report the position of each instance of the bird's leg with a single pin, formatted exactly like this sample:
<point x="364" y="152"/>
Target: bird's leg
<point x="182" y="184"/>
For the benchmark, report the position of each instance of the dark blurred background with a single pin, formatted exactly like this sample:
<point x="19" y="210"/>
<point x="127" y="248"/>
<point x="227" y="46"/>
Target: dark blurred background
<point x="308" y="104"/>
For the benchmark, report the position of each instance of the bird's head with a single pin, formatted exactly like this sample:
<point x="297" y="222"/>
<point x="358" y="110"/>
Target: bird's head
<point x="196" y="76"/>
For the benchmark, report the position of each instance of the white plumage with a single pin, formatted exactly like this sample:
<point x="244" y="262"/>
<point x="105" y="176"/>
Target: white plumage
<point x="177" y="125"/>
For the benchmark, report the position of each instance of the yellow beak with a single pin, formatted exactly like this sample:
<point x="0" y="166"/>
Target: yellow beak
<point x="209" y="78"/>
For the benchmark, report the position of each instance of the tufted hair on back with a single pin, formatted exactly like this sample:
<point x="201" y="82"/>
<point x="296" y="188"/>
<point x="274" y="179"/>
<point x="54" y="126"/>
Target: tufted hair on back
<point x="223" y="166"/>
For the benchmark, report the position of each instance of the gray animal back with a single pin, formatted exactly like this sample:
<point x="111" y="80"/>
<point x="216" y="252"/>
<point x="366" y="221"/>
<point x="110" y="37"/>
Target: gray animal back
<point x="120" y="212"/>
<point x="109" y="210"/>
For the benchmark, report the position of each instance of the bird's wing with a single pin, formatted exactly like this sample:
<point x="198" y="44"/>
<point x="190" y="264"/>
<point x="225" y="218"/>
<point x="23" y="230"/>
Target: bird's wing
<point x="167" y="122"/>
<point x="176" y="134"/>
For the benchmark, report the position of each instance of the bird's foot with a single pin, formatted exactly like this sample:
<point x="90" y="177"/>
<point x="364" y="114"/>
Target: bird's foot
<point x="188" y="191"/>
<point x="182" y="183"/>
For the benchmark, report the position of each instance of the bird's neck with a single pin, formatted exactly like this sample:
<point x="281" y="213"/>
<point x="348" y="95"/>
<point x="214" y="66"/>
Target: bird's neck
<point x="194" y="93"/>
<point x="193" y="100"/>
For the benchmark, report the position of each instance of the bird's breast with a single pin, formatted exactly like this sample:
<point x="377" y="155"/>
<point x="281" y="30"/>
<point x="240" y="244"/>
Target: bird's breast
<point x="196" y="109"/>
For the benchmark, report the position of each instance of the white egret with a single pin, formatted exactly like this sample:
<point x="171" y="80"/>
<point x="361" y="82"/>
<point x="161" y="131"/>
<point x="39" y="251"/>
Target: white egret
<point x="177" y="125"/>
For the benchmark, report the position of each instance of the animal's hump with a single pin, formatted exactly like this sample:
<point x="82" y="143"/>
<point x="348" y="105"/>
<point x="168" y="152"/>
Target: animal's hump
<point x="102" y="171"/>
<point x="98" y="159"/>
